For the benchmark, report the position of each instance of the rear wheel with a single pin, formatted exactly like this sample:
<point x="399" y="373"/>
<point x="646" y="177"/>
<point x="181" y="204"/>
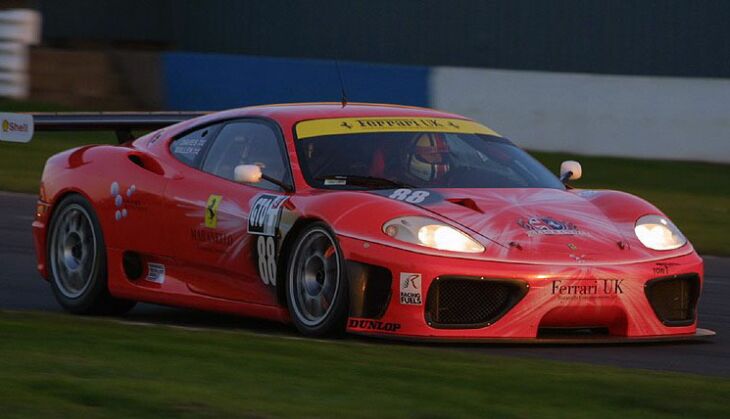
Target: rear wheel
<point x="316" y="283"/>
<point x="77" y="259"/>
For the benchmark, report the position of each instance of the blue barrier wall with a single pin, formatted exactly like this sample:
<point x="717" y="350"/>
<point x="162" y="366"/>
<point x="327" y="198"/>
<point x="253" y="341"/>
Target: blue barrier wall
<point x="219" y="81"/>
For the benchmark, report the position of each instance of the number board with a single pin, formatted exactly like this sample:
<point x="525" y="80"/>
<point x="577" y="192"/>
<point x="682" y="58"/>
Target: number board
<point x="265" y="213"/>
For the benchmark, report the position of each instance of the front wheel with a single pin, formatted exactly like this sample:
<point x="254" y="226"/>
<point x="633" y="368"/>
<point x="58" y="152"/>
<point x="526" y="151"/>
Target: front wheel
<point x="316" y="283"/>
<point x="77" y="259"/>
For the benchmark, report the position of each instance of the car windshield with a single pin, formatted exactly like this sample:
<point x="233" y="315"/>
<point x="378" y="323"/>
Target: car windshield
<point x="385" y="160"/>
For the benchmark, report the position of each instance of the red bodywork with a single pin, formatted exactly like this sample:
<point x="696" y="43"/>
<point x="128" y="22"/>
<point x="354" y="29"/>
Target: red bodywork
<point x="595" y="279"/>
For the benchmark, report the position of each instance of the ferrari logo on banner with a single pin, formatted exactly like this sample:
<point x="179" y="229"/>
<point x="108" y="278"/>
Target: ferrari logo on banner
<point x="211" y="211"/>
<point x="337" y="126"/>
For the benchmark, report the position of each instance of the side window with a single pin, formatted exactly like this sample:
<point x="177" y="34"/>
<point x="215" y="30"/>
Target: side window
<point x="247" y="142"/>
<point x="188" y="148"/>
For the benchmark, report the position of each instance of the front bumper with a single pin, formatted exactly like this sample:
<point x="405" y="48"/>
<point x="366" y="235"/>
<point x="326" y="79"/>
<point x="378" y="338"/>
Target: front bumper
<point x="611" y="299"/>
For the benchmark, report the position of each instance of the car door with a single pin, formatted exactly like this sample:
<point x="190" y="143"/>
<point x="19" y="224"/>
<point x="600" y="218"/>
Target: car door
<point x="209" y="213"/>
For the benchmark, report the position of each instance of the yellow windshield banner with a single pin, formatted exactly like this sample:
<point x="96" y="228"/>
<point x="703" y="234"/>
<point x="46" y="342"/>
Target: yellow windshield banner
<point x="339" y="126"/>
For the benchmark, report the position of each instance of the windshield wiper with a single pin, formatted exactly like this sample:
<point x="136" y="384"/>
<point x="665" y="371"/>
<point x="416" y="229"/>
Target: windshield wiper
<point x="358" y="180"/>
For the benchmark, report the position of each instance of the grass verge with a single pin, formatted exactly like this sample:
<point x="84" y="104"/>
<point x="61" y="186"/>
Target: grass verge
<point x="695" y="195"/>
<point x="52" y="366"/>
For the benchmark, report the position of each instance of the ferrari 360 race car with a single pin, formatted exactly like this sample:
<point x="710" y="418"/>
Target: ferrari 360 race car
<point x="374" y="219"/>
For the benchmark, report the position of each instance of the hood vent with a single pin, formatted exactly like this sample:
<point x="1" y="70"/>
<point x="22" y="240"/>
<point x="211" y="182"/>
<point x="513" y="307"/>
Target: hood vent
<point x="466" y="203"/>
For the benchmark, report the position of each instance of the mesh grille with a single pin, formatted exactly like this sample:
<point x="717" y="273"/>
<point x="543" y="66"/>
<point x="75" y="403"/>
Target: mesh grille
<point x="470" y="302"/>
<point x="674" y="299"/>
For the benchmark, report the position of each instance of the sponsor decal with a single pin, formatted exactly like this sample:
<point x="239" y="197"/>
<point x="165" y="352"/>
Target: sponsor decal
<point x="538" y="226"/>
<point x="16" y="128"/>
<point x="265" y="214"/>
<point x="663" y="268"/>
<point x="189" y="147"/>
<point x="410" y="289"/>
<point x="121" y="198"/>
<point x="10" y="126"/>
<point x="587" y="288"/>
<point x="334" y="126"/>
<point x="571" y="246"/>
<point x="335" y="182"/>
<point x="211" y="211"/>
<point x="588" y="193"/>
<point x="156" y="273"/>
<point x="368" y="324"/>
<point x="208" y="236"/>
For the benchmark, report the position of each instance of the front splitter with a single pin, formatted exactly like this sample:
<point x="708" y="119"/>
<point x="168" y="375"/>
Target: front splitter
<point x="699" y="335"/>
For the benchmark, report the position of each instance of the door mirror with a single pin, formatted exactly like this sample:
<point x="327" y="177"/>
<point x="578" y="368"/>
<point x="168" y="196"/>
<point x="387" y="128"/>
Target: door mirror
<point x="247" y="173"/>
<point x="570" y="170"/>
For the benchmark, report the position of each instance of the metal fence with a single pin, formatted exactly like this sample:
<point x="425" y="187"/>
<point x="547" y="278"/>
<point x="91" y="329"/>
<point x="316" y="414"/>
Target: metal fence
<point x="652" y="37"/>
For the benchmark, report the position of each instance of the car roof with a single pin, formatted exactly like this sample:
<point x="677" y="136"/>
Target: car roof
<point x="295" y="112"/>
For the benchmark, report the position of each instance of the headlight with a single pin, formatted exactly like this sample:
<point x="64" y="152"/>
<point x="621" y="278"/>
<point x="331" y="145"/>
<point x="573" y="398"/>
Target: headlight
<point x="658" y="233"/>
<point x="431" y="233"/>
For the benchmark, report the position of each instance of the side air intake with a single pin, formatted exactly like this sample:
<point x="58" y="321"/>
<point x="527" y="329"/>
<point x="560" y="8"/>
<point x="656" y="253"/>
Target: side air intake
<point x="674" y="298"/>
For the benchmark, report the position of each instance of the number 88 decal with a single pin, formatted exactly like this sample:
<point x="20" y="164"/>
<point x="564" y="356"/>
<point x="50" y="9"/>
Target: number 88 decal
<point x="407" y="195"/>
<point x="266" y="248"/>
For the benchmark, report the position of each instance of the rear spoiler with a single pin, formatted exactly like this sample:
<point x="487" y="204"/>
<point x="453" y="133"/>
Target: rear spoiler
<point x="19" y="127"/>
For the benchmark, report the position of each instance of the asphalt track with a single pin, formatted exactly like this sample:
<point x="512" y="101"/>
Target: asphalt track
<point x="22" y="289"/>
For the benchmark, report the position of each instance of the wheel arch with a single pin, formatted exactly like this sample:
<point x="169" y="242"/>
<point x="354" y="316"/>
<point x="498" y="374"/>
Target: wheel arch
<point x="57" y="199"/>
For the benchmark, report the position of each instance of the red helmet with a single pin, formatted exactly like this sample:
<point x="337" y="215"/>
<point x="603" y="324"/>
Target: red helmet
<point x="429" y="157"/>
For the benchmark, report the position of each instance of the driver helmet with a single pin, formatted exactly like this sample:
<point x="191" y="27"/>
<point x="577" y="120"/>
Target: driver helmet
<point x="429" y="157"/>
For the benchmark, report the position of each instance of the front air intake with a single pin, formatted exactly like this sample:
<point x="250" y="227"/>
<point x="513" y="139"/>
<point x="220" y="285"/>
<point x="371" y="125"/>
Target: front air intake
<point x="471" y="302"/>
<point x="674" y="298"/>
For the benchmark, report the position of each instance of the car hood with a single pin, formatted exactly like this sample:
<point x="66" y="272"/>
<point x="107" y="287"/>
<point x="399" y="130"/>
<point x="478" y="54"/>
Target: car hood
<point x="538" y="225"/>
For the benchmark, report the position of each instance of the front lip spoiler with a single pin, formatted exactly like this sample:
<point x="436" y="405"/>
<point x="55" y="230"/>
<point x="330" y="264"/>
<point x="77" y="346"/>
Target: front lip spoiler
<point x="699" y="335"/>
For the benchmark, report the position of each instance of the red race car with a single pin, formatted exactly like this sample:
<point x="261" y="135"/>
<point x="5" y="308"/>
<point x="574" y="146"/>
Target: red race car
<point x="374" y="219"/>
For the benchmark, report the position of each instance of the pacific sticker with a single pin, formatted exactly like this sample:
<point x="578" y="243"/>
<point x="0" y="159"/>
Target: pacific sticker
<point x="410" y="289"/>
<point x="547" y="226"/>
<point x="211" y="211"/>
<point x="156" y="273"/>
<point x="587" y="288"/>
<point x="265" y="214"/>
<point x="335" y="182"/>
<point x="376" y="325"/>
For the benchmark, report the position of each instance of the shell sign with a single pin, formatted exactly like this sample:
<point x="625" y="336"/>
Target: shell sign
<point x="16" y="128"/>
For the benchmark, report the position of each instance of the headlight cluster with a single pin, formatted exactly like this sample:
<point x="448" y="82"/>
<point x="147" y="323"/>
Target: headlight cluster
<point x="658" y="233"/>
<point x="428" y="232"/>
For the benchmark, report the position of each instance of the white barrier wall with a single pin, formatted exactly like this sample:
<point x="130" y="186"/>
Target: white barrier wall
<point x="18" y="29"/>
<point x="628" y="116"/>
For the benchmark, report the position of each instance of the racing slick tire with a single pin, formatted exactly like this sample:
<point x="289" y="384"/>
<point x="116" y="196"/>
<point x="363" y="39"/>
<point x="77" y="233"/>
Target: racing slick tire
<point x="77" y="260"/>
<point x="316" y="283"/>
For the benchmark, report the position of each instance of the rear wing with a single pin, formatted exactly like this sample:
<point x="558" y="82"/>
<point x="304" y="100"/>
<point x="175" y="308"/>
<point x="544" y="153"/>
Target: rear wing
<point x="20" y="127"/>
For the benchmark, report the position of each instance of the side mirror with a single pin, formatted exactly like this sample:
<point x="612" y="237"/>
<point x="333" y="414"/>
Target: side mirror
<point x="570" y="170"/>
<point x="247" y="173"/>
